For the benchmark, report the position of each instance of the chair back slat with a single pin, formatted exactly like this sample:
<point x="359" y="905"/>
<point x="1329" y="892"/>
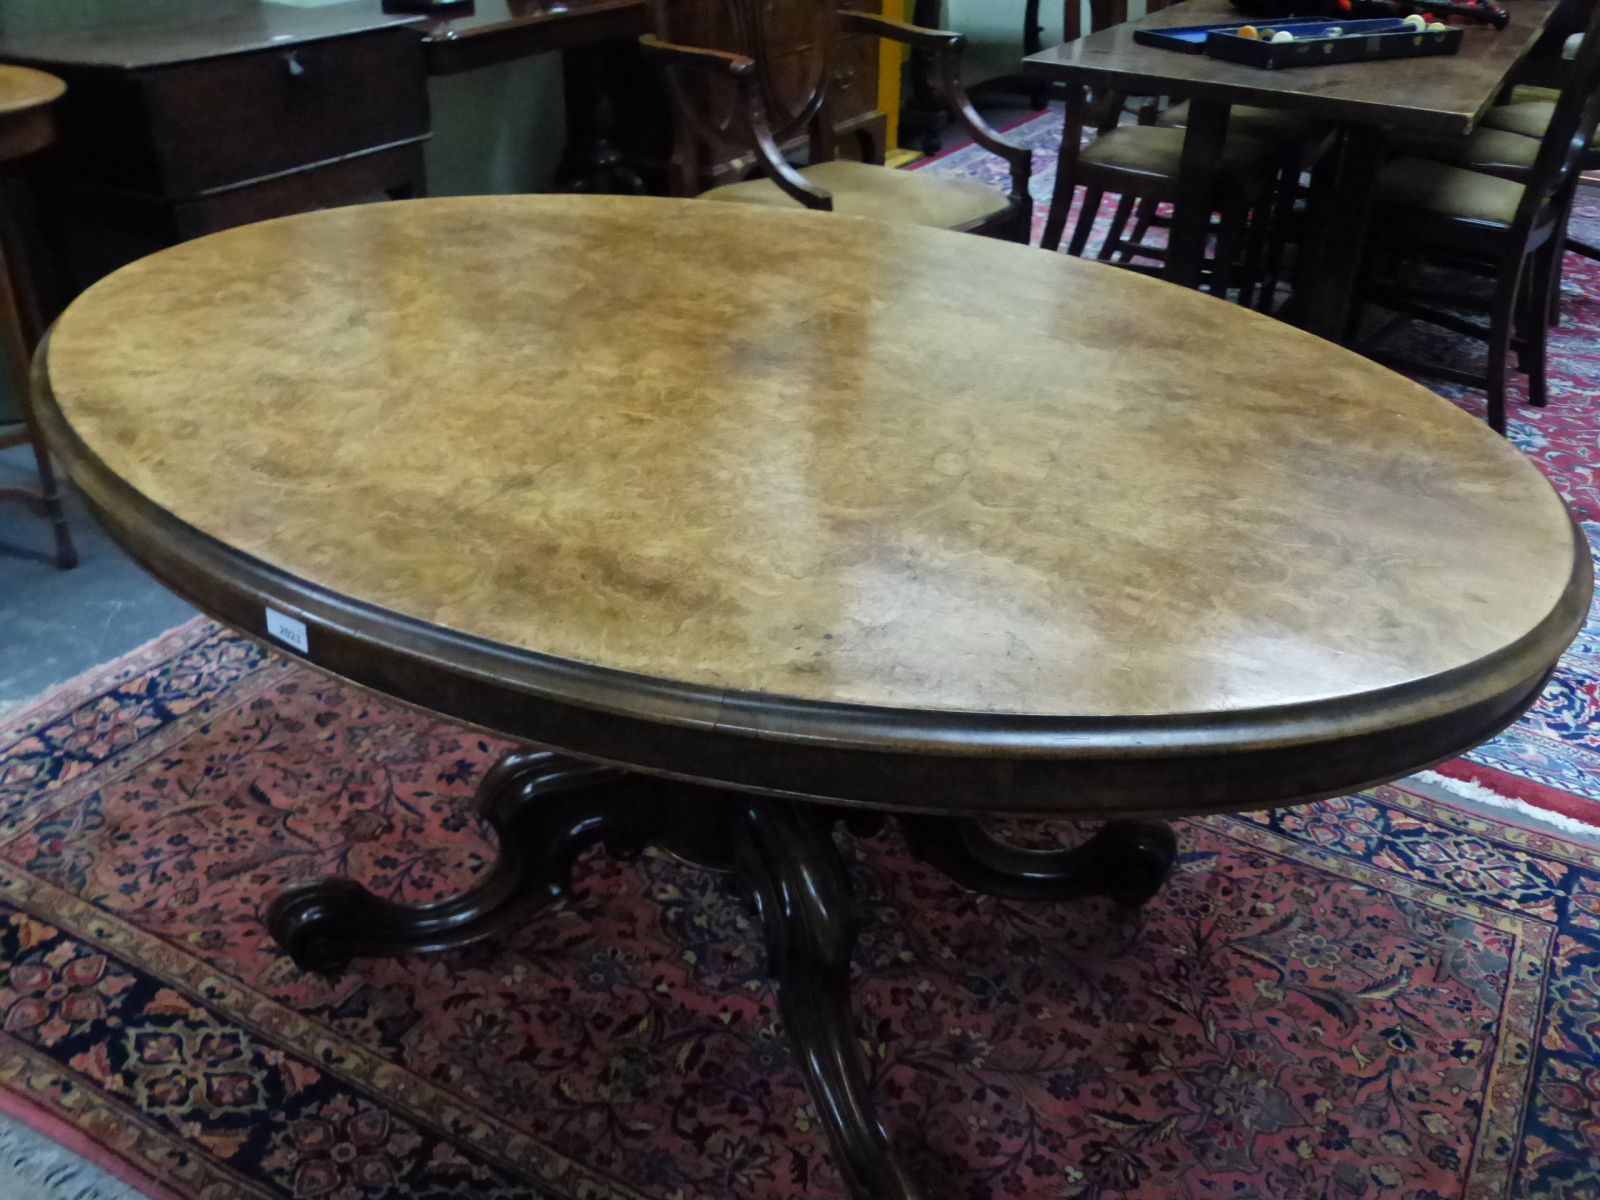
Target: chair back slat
<point x="793" y="43"/>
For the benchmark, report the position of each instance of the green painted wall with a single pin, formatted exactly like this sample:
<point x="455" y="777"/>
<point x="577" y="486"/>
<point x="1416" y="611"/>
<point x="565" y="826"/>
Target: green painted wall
<point x="994" y="31"/>
<point x="498" y="129"/>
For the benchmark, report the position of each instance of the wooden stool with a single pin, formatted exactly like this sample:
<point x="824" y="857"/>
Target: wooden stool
<point x="26" y="127"/>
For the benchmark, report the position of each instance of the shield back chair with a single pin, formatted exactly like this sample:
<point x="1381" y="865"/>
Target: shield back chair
<point x="735" y="99"/>
<point x="27" y="127"/>
<point x="1436" y="210"/>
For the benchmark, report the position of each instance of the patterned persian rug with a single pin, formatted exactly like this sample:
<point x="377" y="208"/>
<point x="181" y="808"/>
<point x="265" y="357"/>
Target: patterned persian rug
<point x="1379" y="996"/>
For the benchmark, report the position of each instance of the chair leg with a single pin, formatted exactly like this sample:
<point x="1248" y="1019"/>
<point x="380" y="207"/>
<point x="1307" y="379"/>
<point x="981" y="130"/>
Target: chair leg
<point x="1258" y="236"/>
<point x="19" y="342"/>
<point x="1278" y="234"/>
<point x="1578" y="246"/>
<point x="1501" y="315"/>
<point x="1536" y="329"/>
<point x="1119" y="225"/>
<point x="1230" y="233"/>
<point x="1060" y="207"/>
<point x="1147" y="216"/>
<point x="1563" y="244"/>
<point x="50" y="500"/>
<point x="1086" y="216"/>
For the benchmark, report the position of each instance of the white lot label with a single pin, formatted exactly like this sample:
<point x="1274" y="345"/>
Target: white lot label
<point x="288" y="631"/>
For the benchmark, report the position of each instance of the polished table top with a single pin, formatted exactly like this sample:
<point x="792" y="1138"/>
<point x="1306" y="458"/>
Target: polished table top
<point x="807" y="477"/>
<point x="1444" y="94"/>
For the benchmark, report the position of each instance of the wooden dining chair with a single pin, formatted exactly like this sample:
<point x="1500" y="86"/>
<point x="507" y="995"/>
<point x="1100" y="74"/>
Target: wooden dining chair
<point x="1432" y="209"/>
<point x="1298" y="140"/>
<point x="1140" y="164"/>
<point x="27" y="126"/>
<point x="733" y="99"/>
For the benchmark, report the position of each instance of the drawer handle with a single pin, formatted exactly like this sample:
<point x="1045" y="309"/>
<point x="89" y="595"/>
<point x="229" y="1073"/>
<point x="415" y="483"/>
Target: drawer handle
<point x="292" y="61"/>
<point x="844" y="77"/>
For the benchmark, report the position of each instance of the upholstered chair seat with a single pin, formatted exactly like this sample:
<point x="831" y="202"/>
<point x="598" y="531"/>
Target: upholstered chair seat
<point x="1530" y="118"/>
<point x="1448" y="191"/>
<point x="1497" y="151"/>
<point x="1265" y="124"/>
<point x="1158" y="151"/>
<point x="881" y="193"/>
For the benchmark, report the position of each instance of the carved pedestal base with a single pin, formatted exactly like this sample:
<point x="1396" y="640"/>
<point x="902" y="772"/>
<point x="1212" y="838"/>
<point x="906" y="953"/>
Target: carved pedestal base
<point x="548" y="809"/>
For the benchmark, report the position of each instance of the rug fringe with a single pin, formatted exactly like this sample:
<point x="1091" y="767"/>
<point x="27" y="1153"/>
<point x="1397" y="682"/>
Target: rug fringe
<point x="1469" y="789"/>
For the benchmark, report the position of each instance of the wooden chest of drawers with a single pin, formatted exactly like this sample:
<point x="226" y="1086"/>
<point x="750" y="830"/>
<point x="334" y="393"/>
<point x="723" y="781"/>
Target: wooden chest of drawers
<point x="183" y="117"/>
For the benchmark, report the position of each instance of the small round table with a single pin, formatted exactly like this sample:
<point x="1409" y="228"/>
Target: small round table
<point x="27" y="126"/>
<point x="750" y="521"/>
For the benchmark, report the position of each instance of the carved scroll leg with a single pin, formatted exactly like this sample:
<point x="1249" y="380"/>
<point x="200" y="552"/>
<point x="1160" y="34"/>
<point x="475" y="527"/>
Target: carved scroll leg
<point x="787" y="861"/>
<point x="1126" y="860"/>
<point x="546" y="810"/>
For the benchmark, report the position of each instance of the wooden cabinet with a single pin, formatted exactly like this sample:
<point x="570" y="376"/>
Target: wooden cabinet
<point x="183" y="117"/>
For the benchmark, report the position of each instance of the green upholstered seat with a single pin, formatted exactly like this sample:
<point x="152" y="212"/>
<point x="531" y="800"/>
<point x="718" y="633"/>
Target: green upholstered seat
<point x="1482" y="149"/>
<point x="1530" y="118"/>
<point x="1524" y="92"/>
<point x="1267" y="124"/>
<point x="882" y="193"/>
<point x="1442" y="189"/>
<point x="1158" y="150"/>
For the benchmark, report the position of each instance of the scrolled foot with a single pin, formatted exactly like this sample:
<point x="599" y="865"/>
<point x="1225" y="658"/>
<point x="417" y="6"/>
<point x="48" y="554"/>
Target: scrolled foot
<point x="1127" y="860"/>
<point x="546" y="810"/>
<point x="314" y="924"/>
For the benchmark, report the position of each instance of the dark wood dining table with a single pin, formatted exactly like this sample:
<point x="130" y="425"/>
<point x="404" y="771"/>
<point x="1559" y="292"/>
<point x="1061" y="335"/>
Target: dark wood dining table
<point x="1437" y="95"/>
<point x="745" y="522"/>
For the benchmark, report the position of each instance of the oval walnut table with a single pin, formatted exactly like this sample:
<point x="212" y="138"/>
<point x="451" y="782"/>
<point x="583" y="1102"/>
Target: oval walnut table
<point x="749" y="521"/>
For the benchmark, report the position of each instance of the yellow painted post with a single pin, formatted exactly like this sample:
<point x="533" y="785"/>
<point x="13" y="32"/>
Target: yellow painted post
<point x="891" y="56"/>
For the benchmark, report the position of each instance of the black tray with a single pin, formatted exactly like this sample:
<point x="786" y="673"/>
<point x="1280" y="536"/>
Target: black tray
<point x="1362" y="41"/>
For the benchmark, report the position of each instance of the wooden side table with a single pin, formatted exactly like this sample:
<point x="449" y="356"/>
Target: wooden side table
<point x="27" y="125"/>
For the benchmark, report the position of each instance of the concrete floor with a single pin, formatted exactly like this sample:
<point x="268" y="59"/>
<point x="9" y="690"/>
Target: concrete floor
<point x="56" y="624"/>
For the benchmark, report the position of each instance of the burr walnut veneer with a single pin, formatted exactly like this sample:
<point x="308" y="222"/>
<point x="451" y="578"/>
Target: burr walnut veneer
<point x="757" y="519"/>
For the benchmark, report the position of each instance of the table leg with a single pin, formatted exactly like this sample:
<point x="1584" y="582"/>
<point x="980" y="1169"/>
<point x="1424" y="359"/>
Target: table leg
<point x="591" y="162"/>
<point x="547" y="809"/>
<point x="1126" y="860"/>
<point x="1197" y="178"/>
<point x="1334" y="251"/>
<point x="788" y="861"/>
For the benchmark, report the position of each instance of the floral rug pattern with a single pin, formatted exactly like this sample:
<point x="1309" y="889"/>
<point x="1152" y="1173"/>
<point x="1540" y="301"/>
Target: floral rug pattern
<point x="1378" y="996"/>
